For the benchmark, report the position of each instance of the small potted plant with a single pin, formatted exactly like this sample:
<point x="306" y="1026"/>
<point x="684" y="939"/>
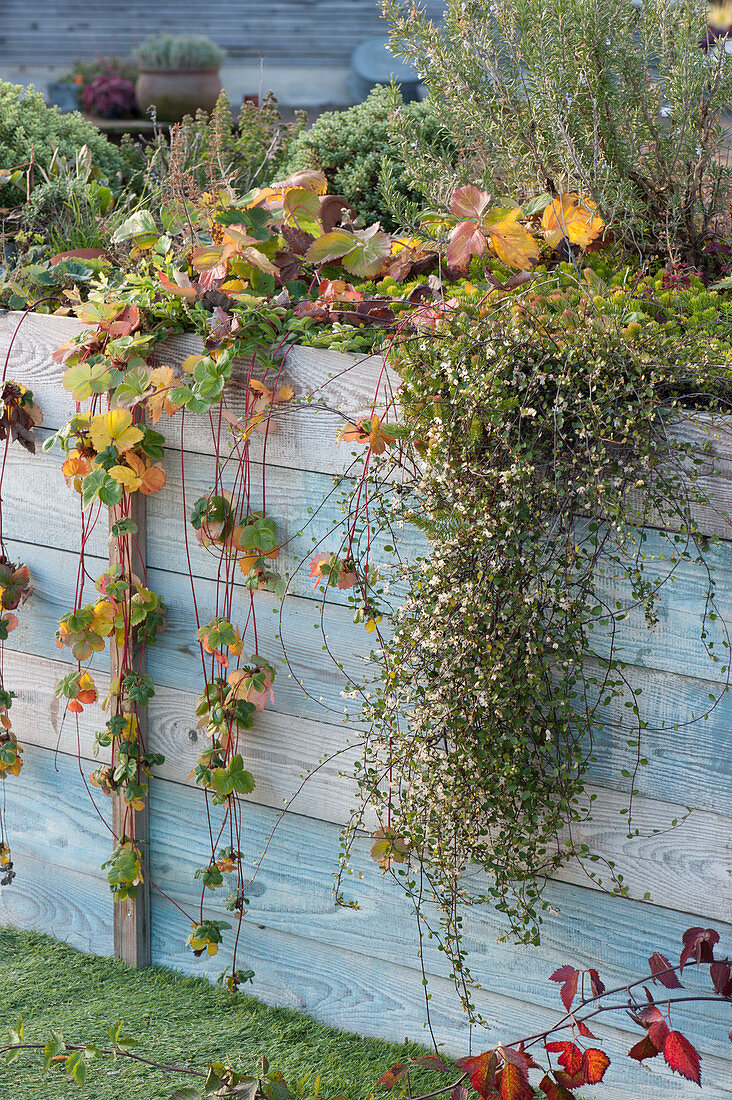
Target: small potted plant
<point x="178" y="74"/>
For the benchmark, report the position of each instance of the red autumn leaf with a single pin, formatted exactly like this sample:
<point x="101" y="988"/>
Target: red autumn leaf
<point x="431" y="1061"/>
<point x="644" y="1048"/>
<point x="594" y="1064"/>
<point x="584" y="1031"/>
<point x="699" y="945"/>
<point x="721" y="974"/>
<point x="517" y="1056"/>
<point x="682" y="1057"/>
<point x="461" y="1093"/>
<point x="659" y="963"/>
<point x="392" y="1075"/>
<point x="124" y="324"/>
<point x="515" y="1083"/>
<point x="649" y="1014"/>
<point x="481" y="1071"/>
<point x="570" y="1055"/>
<point x="568" y="976"/>
<point x="466" y="241"/>
<point x="554" y="1090"/>
<point x="597" y="986"/>
<point x="658" y="1033"/>
<point x="469" y="202"/>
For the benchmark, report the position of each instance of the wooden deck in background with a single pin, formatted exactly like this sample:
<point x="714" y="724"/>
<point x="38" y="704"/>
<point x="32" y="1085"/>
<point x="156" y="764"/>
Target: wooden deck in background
<point x="354" y="968"/>
<point x="299" y="32"/>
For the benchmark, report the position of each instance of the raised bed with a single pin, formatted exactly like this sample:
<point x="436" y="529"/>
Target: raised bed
<point x="357" y="968"/>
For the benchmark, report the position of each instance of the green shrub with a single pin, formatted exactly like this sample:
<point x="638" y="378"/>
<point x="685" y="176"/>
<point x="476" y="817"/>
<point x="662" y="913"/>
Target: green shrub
<point x="353" y="147"/>
<point x="69" y="213"/>
<point x="30" y="129"/>
<point x="213" y="151"/>
<point x="609" y="98"/>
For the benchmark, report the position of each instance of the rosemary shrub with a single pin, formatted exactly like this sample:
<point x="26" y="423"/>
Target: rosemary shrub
<point x="537" y="458"/>
<point x="610" y="98"/>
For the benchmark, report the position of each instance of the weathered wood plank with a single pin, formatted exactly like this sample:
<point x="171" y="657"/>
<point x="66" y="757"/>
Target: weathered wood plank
<point x="131" y="916"/>
<point x="293" y="892"/>
<point x="66" y="904"/>
<point x="355" y="991"/>
<point x="302" y="435"/>
<point x="692" y="861"/>
<point x="300" y="32"/>
<point x="291" y="898"/>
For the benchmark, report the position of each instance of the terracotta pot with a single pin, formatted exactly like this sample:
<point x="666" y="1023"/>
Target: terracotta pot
<point x="177" y="92"/>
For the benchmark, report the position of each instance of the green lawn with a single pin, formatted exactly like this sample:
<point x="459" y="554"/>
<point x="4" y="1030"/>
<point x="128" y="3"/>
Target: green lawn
<point x="175" y="1018"/>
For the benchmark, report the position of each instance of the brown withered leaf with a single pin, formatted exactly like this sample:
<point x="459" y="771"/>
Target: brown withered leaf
<point x="299" y="241"/>
<point x="332" y="209"/>
<point x="290" y="265"/>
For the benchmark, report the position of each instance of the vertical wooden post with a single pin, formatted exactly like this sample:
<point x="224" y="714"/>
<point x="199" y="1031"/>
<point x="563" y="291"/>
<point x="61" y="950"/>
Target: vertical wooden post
<point x="132" y="915"/>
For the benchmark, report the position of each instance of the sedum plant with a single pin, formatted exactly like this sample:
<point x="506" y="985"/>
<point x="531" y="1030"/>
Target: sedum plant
<point x="614" y="100"/>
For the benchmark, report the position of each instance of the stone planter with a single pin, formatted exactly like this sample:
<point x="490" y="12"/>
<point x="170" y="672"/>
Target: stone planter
<point x="177" y="92"/>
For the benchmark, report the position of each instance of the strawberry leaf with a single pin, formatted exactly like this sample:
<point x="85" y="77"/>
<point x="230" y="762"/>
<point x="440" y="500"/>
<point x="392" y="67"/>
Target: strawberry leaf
<point x="469" y="202"/>
<point x="466" y="241"/>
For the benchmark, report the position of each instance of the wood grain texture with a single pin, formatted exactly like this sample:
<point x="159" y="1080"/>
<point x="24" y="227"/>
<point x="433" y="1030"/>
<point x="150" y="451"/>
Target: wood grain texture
<point x="351" y="990"/>
<point x="328" y="387"/>
<point x="68" y="905"/>
<point x="354" y="965"/>
<point x="132" y="916"/>
<point x="293" y="32"/>
<point x="321" y="966"/>
<point x="668" y="864"/>
<point x="294" y="901"/>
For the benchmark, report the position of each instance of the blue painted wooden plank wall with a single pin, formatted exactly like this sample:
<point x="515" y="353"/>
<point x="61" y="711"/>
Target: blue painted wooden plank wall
<point x="356" y="968"/>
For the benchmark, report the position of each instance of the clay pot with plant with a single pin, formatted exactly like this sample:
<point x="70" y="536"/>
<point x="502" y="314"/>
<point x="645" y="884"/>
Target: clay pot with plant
<point x="178" y="74"/>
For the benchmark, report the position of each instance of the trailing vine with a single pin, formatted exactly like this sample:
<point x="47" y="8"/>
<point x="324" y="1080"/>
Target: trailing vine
<point x="539" y="452"/>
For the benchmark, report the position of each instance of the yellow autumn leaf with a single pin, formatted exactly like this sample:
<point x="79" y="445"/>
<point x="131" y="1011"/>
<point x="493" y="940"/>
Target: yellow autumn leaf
<point x="127" y="478"/>
<point x="566" y="217"/>
<point x="512" y="242"/>
<point x="114" y="428"/>
<point x="158" y="402"/>
<point x="104" y="614"/>
<point x="190" y="363"/>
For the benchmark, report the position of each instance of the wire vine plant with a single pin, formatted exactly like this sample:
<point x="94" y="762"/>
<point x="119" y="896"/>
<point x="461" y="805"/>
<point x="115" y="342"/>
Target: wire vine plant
<point x="551" y="467"/>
